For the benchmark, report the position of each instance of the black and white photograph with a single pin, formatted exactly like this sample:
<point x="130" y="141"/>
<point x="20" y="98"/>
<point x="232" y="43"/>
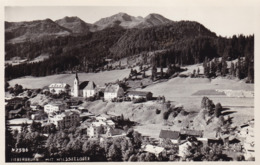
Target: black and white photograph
<point x="129" y="83"/>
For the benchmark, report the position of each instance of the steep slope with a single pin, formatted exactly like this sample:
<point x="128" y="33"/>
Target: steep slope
<point x="16" y="32"/>
<point x="75" y="24"/>
<point x="86" y="47"/>
<point x="161" y="37"/>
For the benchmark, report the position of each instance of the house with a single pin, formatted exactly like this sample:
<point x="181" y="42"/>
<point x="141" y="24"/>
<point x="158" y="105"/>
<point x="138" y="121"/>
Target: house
<point x="140" y="94"/>
<point x="184" y="149"/>
<point x="35" y="106"/>
<point x="15" y="100"/>
<point x="110" y="123"/>
<point x="174" y="136"/>
<point x="52" y="108"/>
<point x="101" y="126"/>
<point x="70" y="118"/>
<point x="113" y="91"/>
<point x="66" y="119"/>
<point x="15" y="113"/>
<point x="152" y="149"/>
<point x="249" y="150"/>
<point x="89" y="90"/>
<point x="96" y="128"/>
<point x="191" y="133"/>
<point x="113" y="115"/>
<point x="57" y="88"/>
<point x="101" y="118"/>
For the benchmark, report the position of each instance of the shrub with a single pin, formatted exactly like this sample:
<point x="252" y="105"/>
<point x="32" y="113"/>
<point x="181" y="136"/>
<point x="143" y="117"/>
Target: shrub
<point x="184" y="113"/>
<point x="218" y="110"/>
<point x="166" y="115"/>
<point x="158" y="111"/>
<point x="90" y="99"/>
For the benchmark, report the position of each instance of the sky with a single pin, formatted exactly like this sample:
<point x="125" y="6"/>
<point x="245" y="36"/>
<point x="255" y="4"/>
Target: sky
<point x="223" y="20"/>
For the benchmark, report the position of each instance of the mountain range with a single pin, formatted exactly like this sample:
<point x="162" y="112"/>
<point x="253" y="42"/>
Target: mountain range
<point x="73" y="44"/>
<point x="22" y="31"/>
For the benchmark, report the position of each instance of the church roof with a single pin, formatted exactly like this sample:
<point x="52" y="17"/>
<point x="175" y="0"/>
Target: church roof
<point x="83" y="84"/>
<point x="91" y="86"/>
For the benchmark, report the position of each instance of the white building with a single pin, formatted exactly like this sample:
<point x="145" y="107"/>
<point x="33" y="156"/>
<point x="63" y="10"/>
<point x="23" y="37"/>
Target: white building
<point x="184" y="149"/>
<point x="52" y="108"/>
<point x="113" y="91"/>
<point x="59" y="87"/>
<point x="65" y="119"/>
<point x="89" y="90"/>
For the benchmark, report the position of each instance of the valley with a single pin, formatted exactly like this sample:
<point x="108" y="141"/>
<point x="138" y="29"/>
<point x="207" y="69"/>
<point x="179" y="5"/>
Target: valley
<point x="127" y="88"/>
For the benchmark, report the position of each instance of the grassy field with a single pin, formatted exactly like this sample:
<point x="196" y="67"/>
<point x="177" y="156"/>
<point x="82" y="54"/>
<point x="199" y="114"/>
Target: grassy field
<point x="208" y="92"/>
<point x="99" y="78"/>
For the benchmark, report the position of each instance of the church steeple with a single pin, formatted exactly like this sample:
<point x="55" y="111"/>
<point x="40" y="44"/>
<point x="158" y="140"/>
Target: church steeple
<point x="76" y="77"/>
<point x="76" y="86"/>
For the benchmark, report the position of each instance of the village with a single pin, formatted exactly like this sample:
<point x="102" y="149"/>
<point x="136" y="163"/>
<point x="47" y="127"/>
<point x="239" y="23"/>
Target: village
<point x="66" y="112"/>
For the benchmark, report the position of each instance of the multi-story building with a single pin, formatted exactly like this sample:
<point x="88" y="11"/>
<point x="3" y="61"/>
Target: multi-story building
<point x="59" y="87"/>
<point x="66" y="119"/>
<point x="53" y="108"/>
<point x="113" y="91"/>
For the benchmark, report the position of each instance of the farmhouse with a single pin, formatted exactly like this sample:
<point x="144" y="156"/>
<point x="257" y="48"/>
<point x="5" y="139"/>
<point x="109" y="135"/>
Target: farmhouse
<point x="52" y="108"/>
<point x="113" y="91"/>
<point x="83" y="89"/>
<point x="140" y="94"/>
<point x="57" y="88"/>
<point x="174" y="136"/>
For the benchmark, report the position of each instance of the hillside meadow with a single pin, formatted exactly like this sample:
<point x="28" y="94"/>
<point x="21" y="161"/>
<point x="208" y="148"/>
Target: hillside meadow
<point x="99" y="78"/>
<point x="180" y="91"/>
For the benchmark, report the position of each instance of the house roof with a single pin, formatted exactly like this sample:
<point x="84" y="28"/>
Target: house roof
<point x="112" y="88"/>
<point x="55" y="104"/>
<point x="15" y="111"/>
<point x="169" y="134"/>
<point x="113" y="114"/>
<point x="58" y="85"/>
<point x="152" y="149"/>
<point x="139" y="93"/>
<point x="15" y="98"/>
<point x="191" y="132"/>
<point x="116" y="131"/>
<point x="45" y="87"/>
<point x="83" y="84"/>
<point x="85" y="114"/>
<point x="91" y="86"/>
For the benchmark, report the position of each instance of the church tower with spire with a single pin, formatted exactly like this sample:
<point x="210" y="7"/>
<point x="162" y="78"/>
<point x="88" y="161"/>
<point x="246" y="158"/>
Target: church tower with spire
<point x="76" y="86"/>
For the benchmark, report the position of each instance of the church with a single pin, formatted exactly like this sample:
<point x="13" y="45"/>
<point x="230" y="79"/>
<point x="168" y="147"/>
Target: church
<point x="83" y="89"/>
